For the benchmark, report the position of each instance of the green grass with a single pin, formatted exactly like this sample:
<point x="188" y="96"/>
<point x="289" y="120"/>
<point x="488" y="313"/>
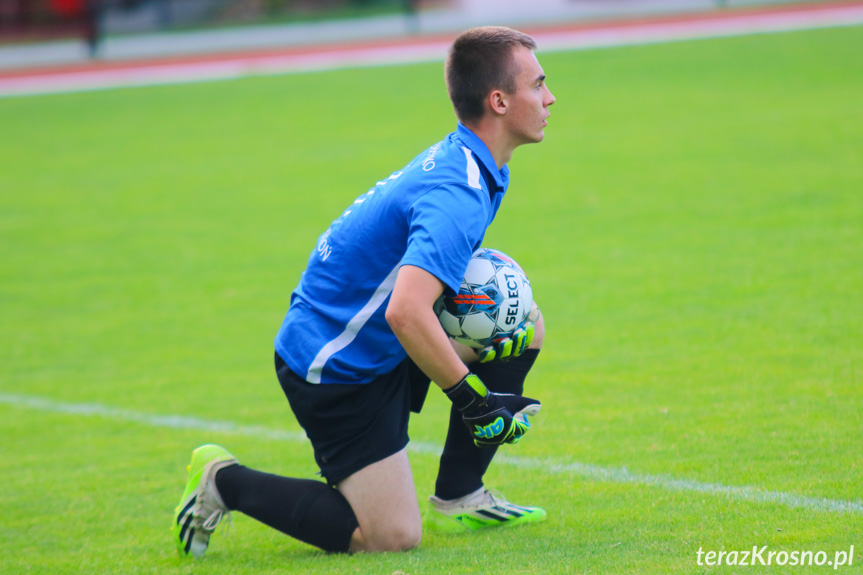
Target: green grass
<point x="691" y="226"/>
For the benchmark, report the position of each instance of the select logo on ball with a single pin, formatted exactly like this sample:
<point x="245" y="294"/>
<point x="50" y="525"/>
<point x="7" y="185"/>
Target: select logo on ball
<point x="493" y="301"/>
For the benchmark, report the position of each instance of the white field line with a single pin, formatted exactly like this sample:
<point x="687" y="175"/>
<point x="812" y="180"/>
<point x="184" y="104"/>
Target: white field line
<point x="532" y="464"/>
<point x="602" y="37"/>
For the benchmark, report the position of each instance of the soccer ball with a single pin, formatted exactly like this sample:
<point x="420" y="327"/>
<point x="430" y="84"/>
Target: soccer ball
<point x="493" y="301"/>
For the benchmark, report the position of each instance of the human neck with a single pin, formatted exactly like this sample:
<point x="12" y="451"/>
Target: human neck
<point x="495" y="139"/>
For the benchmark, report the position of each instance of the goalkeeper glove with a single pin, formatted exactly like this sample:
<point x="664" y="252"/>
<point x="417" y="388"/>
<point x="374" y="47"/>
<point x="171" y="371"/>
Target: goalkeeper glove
<point x="491" y="418"/>
<point x="509" y="347"/>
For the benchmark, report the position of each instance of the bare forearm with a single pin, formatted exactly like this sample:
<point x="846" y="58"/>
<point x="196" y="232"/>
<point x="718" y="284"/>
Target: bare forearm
<point x="420" y="334"/>
<point x="412" y="319"/>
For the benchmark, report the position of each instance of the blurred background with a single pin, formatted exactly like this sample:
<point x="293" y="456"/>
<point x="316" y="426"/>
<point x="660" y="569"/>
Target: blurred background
<point x="57" y="31"/>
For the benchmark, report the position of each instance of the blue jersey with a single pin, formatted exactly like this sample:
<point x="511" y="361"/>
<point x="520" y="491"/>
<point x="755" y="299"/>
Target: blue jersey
<point x="431" y="214"/>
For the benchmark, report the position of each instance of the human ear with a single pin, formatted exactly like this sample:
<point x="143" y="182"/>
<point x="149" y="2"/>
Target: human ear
<point x="498" y="102"/>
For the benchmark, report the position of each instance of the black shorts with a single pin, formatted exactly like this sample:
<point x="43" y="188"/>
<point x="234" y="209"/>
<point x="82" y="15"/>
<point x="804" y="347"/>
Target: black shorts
<point x="354" y="425"/>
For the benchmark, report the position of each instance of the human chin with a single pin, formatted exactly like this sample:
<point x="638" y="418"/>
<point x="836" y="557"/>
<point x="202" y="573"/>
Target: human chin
<point x="540" y="134"/>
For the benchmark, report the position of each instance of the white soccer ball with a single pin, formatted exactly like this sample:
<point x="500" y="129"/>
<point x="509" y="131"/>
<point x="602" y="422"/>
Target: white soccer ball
<point x="493" y="301"/>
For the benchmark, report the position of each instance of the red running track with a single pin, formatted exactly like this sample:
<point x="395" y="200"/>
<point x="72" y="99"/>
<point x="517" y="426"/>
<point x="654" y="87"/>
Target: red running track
<point x="217" y="66"/>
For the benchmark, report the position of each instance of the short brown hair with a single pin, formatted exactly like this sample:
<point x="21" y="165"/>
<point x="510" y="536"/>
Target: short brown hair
<point x="479" y="61"/>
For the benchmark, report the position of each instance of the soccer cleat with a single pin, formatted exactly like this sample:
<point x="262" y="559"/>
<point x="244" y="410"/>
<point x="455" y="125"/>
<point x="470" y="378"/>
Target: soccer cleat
<point x="201" y="508"/>
<point x="482" y="509"/>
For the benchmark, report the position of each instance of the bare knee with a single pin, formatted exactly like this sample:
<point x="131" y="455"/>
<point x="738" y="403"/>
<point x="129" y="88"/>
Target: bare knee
<point x="401" y="539"/>
<point x="384" y="501"/>
<point x="387" y="538"/>
<point x="539" y="332"/>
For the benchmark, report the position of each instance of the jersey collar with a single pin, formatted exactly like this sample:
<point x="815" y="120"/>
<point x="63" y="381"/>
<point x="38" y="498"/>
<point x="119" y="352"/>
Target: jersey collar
<point x="481" y="151"/>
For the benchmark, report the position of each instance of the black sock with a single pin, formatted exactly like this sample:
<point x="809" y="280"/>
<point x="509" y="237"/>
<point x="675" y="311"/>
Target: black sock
<point x="462" y="463"/>
<point x="305" y="509"/>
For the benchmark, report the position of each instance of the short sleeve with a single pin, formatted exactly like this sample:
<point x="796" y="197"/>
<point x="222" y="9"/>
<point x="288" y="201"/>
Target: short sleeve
<point x="446" y="225"/>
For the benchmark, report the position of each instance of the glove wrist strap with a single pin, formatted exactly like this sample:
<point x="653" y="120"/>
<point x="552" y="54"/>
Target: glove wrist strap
<point x="468" y="394"/>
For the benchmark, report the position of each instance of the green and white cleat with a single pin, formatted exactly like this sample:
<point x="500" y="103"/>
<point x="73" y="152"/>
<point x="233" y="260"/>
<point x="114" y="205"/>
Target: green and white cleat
<point x="201" y="508"/>
<point x="480" y="510"/>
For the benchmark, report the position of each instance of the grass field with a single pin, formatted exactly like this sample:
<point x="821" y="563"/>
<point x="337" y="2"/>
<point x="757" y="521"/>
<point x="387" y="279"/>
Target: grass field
<point x="692" y="226"/>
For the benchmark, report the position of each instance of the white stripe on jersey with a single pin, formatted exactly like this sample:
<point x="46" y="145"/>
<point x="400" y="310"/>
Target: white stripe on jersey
<point x="472" y="170"/>
<point x="352" y="329"/>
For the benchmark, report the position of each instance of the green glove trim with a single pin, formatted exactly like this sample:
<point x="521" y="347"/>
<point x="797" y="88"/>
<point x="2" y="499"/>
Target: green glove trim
<point x="509" y="347"/>
<point x="468" y="394"/>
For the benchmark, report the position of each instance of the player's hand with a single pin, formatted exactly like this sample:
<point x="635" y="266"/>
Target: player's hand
<point x="491" y="418"/>
<point x="509" y="347"/>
